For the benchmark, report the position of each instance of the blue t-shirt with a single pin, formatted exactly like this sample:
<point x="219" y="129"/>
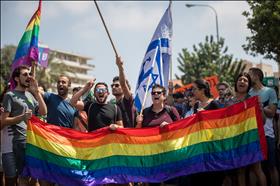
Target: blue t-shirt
<point x="60" y="111"/>
<point x="268" y="95"/>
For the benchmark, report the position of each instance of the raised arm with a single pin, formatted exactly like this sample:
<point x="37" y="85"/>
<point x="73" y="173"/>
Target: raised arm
<point x="38" y="96"/>
<point x="75" y="98"/>
<point x="125" y="88"/>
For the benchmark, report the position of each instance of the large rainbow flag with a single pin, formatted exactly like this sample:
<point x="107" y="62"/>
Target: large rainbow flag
<point x="27" y="50"/>
<point x="208" y="141"/>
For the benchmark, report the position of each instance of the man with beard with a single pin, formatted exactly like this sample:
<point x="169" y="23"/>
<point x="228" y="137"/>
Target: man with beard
<point x="124" y="99"/>
<point x="19" y="105"/>
<point x="60" y="111"/>
<point x="100" y="112"/>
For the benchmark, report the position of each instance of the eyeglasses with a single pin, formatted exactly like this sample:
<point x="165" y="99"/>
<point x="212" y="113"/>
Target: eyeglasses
<point x="26" y="74"/>
<point x="100" y="90"/>
<point x="156" y="92"/>
<point x="115" y="85"/>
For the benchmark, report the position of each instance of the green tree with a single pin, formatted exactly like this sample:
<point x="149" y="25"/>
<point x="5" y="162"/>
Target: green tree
<point x="207" y="59"/>
<point x="264" y="24"/>
<point x="48" y="76"/>
<point x="7" y="57"/>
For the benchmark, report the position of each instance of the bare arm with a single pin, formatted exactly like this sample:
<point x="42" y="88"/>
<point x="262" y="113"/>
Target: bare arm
<point x="126" y="91"/>
<point x="270" y="110"/>
<point x="38" y="96"/>
<point x="169" y="98"/>
<point x="139" y="121"/>
<point x="6" y="120"/>
<point x="75" y="98"/>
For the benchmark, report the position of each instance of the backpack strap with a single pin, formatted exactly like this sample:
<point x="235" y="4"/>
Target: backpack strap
<point x="90" y="108"/>
<point x="170" y="112"/>
<point x="116" y="112"/>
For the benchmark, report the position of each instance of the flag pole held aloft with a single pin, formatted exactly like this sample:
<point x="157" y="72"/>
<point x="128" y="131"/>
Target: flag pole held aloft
<point x="27" y="50"/>
<point x="107" y="31"/>
<point x="155" y="66"/>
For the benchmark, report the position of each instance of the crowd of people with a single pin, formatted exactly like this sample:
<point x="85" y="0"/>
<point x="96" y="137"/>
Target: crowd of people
<point x="90" y="113"/>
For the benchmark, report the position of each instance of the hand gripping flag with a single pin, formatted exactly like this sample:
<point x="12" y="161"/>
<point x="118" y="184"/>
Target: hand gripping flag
<point x="156" y="61"/>
<point x="215" y="140"/>
<point x="27" y="50"/>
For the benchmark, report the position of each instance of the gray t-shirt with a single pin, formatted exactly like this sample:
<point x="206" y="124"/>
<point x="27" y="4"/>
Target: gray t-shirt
<point x="16" y="102"/>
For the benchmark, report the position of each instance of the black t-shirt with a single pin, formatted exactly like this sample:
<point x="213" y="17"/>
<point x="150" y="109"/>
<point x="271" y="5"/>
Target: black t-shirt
<point x="213" y="105"/>
<point x="128" y="112"/>
<point x="101" y="115"/>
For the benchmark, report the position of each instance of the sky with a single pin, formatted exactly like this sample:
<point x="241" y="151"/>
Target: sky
<point x="76" y="27"/>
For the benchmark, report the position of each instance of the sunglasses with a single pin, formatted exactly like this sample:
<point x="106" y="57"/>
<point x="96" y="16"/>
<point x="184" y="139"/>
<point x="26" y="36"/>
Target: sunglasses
<point x="100" y="90"/>
<point x="115" y="85"/>
<point x="156" y="92"/>
<point x="26" y="74"/>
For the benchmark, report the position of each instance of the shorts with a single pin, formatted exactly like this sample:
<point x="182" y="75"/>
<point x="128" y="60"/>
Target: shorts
<point x="271" y="149"/>
<point x="9" y="164"/>
<point x="19" y="150"/>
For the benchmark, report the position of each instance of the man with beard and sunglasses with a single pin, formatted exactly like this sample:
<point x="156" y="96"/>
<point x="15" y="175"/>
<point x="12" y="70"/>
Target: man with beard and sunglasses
<point x="19" y="105"/>
<point x="123" y="96"/>
<point x="100" y="112"/>
<point x="60" y="111"/>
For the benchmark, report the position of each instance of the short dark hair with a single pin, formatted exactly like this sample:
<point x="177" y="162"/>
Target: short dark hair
<point x="76" y="89"/>
<point x="222" y="83"/>
<point x="258" y="72"/>
<point x="178" y="95"/>
<point x="117" y="78"/>
<point x="101" y="83"/>
<point x="203" y="84"/>
<point x="249" y="81"/>
<point x="69" y="80"/>
<point x="161" y="87"/>
<point x="16" y="72"/>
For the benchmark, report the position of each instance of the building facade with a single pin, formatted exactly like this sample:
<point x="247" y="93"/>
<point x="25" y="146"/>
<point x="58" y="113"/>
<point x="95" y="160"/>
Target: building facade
<point x="78" y="65"/>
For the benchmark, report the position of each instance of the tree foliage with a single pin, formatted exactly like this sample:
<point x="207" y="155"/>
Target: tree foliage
<point x="207" y="59"/>
<point x="48" y="76"/>
<point x="264" y="24"/>
<point x="7" y="57"/>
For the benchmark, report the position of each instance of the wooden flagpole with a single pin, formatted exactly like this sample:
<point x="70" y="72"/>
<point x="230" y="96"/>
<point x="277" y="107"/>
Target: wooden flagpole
<point x="107" y="31"/>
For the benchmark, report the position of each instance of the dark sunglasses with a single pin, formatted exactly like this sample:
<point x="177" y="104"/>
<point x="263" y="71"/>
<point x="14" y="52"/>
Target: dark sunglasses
<point x="100" y="90"/>
<point x="156" y="92"/>
<point x="26" y="74"/>
<point x="115" y="85"/>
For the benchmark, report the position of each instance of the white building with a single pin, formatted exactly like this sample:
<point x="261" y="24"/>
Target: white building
<point x="78" y="64"/>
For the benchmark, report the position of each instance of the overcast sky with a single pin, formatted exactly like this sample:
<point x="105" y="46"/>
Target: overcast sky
<point x="76" y="27"/>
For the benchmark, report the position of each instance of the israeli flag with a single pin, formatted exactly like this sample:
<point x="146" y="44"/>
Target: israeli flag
<point x="155" y="66"/>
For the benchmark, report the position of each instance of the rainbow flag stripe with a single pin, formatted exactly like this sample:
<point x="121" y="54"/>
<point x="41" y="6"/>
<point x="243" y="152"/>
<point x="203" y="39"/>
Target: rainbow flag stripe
<point x="208" y="141"/>
<point x="27" y="50"/>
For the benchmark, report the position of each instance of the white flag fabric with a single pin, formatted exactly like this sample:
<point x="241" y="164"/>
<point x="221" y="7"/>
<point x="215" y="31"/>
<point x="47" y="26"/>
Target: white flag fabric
<point x="156" y="61"/>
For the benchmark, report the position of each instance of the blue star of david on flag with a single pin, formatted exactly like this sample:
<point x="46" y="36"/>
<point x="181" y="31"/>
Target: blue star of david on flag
<point x="155" y="65"/>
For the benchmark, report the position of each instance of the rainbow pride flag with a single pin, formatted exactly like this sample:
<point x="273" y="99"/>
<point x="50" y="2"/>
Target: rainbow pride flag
<point x="208" y="141"/>
<point x="27" y="50"/>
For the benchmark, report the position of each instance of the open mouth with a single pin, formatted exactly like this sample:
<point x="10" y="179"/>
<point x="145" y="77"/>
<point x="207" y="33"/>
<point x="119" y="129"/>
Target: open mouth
<point x="101" y="96"/>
